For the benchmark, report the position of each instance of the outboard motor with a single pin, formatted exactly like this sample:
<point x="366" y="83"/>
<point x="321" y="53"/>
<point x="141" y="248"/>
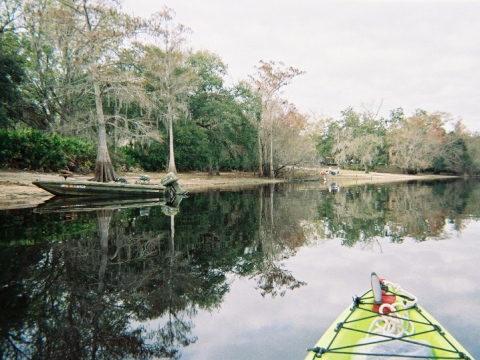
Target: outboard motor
<point x="171" y="182"/>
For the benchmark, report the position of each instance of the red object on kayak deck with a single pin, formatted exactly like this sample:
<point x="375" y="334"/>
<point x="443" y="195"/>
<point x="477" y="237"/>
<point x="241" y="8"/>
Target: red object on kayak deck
<point x="386" y="299"/>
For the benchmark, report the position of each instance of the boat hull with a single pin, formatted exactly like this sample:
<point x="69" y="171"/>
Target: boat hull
<point x="351" y="337"/>
<point x="105" y="190"/>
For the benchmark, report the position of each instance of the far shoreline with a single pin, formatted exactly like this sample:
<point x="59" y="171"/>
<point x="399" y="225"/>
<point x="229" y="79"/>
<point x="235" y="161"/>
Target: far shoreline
<point x="17" y="190"/>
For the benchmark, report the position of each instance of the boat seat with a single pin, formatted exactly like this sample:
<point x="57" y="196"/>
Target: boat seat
<point x="144" y="179"/>
<point x="65" y="174"/>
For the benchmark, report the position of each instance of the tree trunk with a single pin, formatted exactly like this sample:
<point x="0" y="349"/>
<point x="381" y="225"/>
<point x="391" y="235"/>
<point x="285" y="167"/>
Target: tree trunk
<point x="104" y="217"/>
<point x="272" y="174"/>
<point x="260" y="161"/>
<point x="104" y="171"/>
<point x="171" y="161"/>
<point x="210" y="167"/>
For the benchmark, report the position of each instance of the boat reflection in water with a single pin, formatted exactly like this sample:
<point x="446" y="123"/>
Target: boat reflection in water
<point x="77" y="204"/>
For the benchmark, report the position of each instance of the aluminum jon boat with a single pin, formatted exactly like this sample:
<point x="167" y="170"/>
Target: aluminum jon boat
<point x="386" y="323"/>
<point x="169" y="187"/>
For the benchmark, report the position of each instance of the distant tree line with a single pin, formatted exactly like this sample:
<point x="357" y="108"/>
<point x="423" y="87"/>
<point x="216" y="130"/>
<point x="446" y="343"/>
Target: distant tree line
<point x="419" y="143"/>
<point x="84" y="69"/>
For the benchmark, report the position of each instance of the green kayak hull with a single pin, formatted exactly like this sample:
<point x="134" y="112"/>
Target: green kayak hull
<point x="351" y="337"/>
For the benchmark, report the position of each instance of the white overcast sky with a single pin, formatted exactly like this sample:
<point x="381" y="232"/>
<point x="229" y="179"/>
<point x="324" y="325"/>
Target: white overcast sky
<point x="410" y="54"/>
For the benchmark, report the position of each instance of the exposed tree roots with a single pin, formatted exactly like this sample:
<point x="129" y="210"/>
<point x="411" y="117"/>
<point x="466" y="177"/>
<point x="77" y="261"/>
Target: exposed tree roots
<point x="104" y="171"/>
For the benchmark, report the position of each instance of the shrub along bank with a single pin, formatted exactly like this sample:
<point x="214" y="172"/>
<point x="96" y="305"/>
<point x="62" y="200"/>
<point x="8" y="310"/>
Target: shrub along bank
<point x="36" y="150"/>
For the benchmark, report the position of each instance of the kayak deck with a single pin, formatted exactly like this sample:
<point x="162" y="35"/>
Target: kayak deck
<point x="397" y="328"/>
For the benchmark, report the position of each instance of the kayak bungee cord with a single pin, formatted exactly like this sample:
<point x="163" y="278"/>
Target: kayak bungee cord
<point x="394" y="319"/>
<point x="388" y="324"/>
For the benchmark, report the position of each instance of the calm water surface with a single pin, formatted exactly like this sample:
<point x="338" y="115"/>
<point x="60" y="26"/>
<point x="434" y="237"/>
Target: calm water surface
<point x="251" y="274"/>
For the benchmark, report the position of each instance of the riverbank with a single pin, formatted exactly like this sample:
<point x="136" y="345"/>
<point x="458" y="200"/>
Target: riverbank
<point x="17" y="190"/>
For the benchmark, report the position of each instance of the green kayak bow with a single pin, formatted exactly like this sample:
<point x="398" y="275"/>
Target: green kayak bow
<point x="386" y="323"/>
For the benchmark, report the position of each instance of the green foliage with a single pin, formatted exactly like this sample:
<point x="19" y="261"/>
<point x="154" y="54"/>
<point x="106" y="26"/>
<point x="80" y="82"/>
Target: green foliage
<point x="473" y="149"/>
<point x="150" y="158"/>
<point x="11" y="76"/>
<point x="192" y="150"/>
<point x="326" y="140"/>
<point x="80" y="154"/>
<point x="225" y="117"/>
<point x="32" y="150"/>
<point x="35" y="150"/>
<point x="198" y="148"/>
<point x="360" y="139"/>
<point x="209" y="68"/>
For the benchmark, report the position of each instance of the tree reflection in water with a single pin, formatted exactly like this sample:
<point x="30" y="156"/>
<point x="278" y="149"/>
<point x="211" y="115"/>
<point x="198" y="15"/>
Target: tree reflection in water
<point x="418" y="210"/>
<point x="76" y="298"/>
<point x="89" y="284"/>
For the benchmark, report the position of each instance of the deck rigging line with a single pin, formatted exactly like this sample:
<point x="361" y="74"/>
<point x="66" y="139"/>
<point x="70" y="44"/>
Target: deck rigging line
<point x="366" y="303"/>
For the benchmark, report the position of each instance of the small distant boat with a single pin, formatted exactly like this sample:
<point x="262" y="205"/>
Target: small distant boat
<point x="386" y="323"/>
<point x="169" y="187"/>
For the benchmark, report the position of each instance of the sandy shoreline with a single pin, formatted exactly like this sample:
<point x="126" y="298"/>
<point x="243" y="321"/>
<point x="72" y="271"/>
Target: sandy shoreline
<point x="17" y="190"/>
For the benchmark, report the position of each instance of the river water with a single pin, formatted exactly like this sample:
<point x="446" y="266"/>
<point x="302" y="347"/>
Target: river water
<point x="253" y="274"/>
